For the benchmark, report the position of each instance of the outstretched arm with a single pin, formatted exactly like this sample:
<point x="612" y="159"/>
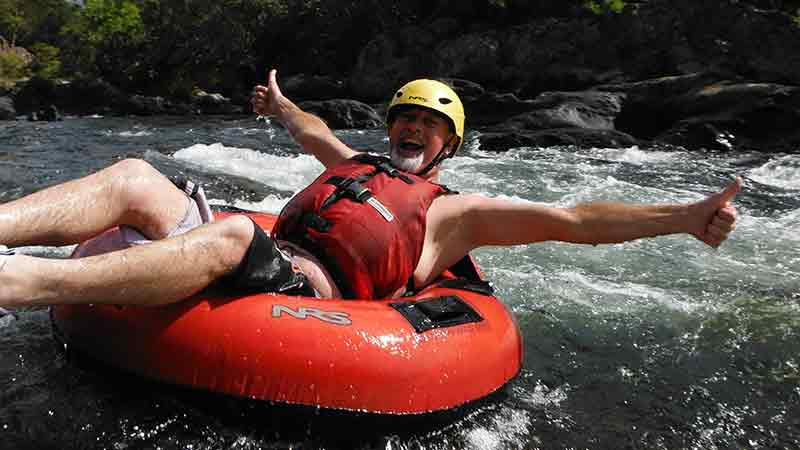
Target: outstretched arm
<point x="496" y="222"/>
<point x="457" y="224"/>
<point x="308" y="130"/>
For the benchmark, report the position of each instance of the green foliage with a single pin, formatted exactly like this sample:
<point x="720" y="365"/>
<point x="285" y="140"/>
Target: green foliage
<point x="601" y="7"/>
<point x="12" y="65"/>
<point x="102" y="21"/>
<point x="46" y="63"/>
<point x="104" y="38"/>
<point x="23" y="22"/>
<point x="11" y="20"/>
<point x="169" y="47"/>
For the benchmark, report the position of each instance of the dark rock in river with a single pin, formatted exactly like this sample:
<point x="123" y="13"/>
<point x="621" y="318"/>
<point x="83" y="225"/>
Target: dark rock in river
<point x="302" y="87"/>
<point x="141" y="105"/>
<point x="648" y="107"/>
<point x="91" y="96"/>
<point x="340" y="114"/>
<point x="579" y="137"/>
<point x="7" y="111"/>
<point x="49" y="114"/>
<point x="699" y="134"/>
<point x="83" y="96"/>
<point x="752" y="116"/>
<point x="205" y="103"/>
<point x="491" y="108"/>
<point x="35" y="94"/>
<point x="594" y="110"/>
<point x="699" y="111"/>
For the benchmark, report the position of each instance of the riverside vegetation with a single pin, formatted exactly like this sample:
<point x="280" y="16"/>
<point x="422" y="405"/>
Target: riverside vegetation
<point x="720" y="75"/>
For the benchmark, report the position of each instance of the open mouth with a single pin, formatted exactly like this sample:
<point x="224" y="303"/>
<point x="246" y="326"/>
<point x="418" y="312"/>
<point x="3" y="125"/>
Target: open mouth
<point x="410" y="147"/>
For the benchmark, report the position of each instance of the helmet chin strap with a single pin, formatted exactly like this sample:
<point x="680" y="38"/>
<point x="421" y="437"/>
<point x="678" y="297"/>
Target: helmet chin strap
<point x="441" y="156"/>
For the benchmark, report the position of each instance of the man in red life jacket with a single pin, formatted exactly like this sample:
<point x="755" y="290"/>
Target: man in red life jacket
<point x="184" y="255"/>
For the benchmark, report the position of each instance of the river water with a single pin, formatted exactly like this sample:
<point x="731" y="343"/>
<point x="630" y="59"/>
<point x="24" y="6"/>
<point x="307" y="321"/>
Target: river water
<point x="656" y="344"/>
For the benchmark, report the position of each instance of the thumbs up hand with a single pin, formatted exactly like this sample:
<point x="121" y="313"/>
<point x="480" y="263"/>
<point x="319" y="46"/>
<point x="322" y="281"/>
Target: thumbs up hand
<point x="714" y="218"/>
<point x="265" y="99"/>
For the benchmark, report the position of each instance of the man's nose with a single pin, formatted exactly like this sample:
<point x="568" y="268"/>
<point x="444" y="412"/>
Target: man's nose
<point x="414" y="125"/>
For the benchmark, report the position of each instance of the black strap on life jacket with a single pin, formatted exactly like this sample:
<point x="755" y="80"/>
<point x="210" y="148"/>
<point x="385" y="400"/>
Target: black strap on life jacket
<point x="383" y="164"/>
<point x="346" y="187"/>
<point x="353" y="188"/>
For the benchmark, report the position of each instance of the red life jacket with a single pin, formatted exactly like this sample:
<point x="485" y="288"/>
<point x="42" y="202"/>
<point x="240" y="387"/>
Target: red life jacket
<point x="365" y="221"/>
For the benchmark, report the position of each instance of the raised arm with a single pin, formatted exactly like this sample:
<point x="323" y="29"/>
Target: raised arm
<point x="308" y="130"/>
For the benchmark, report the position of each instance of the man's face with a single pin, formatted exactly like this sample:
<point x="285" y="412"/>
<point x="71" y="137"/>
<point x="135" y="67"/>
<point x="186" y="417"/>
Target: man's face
<point x="415" y="137"/>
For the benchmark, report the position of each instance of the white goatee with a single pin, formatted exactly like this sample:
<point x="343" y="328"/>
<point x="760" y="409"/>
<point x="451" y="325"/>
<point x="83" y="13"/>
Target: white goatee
<point x="403" y="163"/>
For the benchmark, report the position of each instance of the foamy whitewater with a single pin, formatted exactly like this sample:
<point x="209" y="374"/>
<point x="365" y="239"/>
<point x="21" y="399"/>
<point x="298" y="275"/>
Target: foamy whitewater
<point x="659" y="343"/>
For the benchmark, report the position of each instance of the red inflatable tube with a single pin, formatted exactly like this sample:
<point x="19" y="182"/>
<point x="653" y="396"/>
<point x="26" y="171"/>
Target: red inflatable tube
<point x="439" y="349"/>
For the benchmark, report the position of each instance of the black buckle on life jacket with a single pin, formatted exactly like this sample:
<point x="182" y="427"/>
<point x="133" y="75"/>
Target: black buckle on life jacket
<point x="388" y="169"/>
<point x="346" y="187"/>
<point x="383" y="165"/>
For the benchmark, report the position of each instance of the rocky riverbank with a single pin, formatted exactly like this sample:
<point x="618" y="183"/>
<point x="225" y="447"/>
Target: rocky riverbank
<point x="719" y="77"/>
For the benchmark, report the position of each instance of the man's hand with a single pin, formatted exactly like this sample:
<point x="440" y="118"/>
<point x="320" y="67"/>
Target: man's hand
<point x="265" y="98"/>
<point x="714" y="218"/>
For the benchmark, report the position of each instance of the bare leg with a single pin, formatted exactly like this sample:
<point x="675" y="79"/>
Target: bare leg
<point x="130" y="192"/>
<point x="161" y="272"/>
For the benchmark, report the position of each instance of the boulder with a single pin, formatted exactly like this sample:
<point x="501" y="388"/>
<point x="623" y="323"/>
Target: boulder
<point x="578" y="137"/>
<point x="699" y="134"/>
<point x="734" y="36"/>
<point x="392" y="59"/>
<point x="91" y="96"/>
<point x="36" y="94"/>
<point x="491" y="108"/>
<point x="302" y="87"/>
<point x="648" y="107"/>
<point x="594" y="110"/>
<point x="700" y="111"/>
<point x="343" y="114"/>
<point x="206" y="103"/>
<point x="740" y="116"/>
<point x="646" y="40"/>
<point x="49" y="114"/>
<point x="7" y="111"/>
<point x="141" y="105"/>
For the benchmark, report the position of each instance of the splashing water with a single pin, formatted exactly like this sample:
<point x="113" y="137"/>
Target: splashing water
<point x="660" y="343"/>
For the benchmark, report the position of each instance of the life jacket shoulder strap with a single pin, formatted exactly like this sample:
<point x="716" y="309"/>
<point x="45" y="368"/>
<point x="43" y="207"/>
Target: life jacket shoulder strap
<point x="383" y="164"/>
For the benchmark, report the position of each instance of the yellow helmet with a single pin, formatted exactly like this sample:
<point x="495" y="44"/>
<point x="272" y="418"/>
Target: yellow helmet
<point x="433" y="95"/>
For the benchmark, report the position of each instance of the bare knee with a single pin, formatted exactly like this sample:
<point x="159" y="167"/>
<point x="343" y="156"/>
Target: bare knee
<point x="133" y="181"/>
<point x="132" y="168"/>
<point x="235" y="235"/>
<point x="150" y="202"/>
